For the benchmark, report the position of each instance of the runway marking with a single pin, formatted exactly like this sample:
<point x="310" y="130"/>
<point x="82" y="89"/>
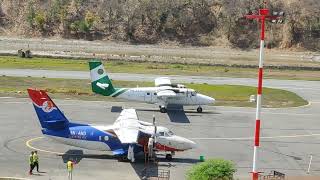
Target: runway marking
<point x="41" y="150"/>
<point x="209" y="110"/>
<point x="6" y="97"/>
<point x="17" y="178"/>
<point x="16" y="102"/>
<point x="266" y="137"/>
<point x="265" y="112"/>
<point x="28" y="143"/>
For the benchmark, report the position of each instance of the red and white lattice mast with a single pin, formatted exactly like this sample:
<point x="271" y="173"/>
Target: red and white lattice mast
<point x="261" y="17"/>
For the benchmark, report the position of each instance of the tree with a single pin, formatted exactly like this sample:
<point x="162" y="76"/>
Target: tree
<point x="213" y="169"/>
<point x="40" y="20"/>
<point x="30" y="13"/>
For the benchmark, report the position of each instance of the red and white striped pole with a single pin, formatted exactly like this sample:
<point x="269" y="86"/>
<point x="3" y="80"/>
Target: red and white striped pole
<point x="259" y="98"/>
<point x="263" y="15"/>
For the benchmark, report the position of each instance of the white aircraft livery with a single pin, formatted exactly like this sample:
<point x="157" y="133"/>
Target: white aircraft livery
<point x="164" y="93"/>
<point x="126" y="137"/>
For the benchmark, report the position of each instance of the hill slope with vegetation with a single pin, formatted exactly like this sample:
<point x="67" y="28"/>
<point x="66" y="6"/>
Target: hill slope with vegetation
<point x="195" y="22"/>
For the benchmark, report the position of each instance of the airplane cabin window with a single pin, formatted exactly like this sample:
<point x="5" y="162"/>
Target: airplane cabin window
<point x="148" y="93"/>
<point x="155" y="94"/>
<point x="161" y="133"/>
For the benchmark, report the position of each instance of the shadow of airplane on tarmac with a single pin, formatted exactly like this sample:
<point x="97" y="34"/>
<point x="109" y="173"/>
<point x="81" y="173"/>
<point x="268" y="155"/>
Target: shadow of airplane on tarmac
<point x="177" y="114"/>
<point x="116" y="109"/>
<point x="139" y="166"/>
<point x="144" y="171"/>
<point x="77" y="155"/>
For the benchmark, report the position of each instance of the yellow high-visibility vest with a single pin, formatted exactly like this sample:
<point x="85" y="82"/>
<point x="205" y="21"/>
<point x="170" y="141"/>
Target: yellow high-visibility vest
<point x="30" y="159"/>
<point x="69" y="165"/>
<point x="35" y="157"/>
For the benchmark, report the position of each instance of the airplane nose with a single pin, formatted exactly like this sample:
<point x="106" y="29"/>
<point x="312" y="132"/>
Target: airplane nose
<point x="190" y="144"/>
<point x="203" y="99"/>
<point x="211" y="100"/>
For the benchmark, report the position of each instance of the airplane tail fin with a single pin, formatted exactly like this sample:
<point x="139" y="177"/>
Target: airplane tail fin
<point x="100" y="82"/>
<point x="48" y="113"/>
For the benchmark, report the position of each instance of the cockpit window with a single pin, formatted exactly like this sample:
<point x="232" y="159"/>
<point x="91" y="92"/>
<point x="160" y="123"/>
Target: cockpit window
<point x="170" y="133"/>
<point x="161" y="133"/>
<point x="166" y="134"/>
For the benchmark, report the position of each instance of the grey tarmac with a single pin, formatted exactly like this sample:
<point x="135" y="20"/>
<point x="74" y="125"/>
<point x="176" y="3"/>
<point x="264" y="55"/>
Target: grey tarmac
<point x="289" y="135"/>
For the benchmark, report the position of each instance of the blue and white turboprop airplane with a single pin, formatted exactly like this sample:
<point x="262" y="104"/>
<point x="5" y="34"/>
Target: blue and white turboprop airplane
<point x="126" y="137"/>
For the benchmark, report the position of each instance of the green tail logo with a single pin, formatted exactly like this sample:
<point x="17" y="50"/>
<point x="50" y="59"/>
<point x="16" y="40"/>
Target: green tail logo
<point x="100" y="82"/>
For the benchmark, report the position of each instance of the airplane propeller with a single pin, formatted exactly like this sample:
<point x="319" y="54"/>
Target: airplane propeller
<point x="152" y="140"/>
<point x="155" y="128"/>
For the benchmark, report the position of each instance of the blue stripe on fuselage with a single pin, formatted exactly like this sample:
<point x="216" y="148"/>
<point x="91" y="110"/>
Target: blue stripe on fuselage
<point x="89" y="133"/>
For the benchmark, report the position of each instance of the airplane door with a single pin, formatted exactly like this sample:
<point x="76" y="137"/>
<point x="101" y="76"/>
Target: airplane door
<point x="148" y="97"/>
<point x="188" y="97"/>
<point x="192" y="97"/>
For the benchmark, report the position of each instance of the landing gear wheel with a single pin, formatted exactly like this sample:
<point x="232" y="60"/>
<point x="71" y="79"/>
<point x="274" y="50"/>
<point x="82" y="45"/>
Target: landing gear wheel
<point x="168" y="157"/>
<point x="163" y="109"/>
<point x="199" y="109"/>
<point x="123" y="159"/>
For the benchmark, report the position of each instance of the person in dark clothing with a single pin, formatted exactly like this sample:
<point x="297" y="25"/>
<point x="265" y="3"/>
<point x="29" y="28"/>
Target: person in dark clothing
<point x="31" y="163"/>
<point x="36" y="160"/>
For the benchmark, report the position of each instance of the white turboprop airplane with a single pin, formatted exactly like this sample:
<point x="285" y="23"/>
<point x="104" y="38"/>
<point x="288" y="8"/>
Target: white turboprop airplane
<point x="164" y="93"/>
<point x="126" y="137"/>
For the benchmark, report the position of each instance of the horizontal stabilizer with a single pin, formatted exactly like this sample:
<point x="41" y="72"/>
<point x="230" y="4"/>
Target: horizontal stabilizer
<point x="118" y="152"/>
<point x="55" y="125"/>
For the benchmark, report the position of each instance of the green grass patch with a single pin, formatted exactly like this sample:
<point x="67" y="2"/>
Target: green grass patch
<point x="153" y="68"/>
<point x="226" y="95"/>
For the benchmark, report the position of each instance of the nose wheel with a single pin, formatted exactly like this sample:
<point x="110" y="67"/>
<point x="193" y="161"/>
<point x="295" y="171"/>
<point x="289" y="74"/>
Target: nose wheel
<point x="163" y="109"/>
<point x="199" y="109"/>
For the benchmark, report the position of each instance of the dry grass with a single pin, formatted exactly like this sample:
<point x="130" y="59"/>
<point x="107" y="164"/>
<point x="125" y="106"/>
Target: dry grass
<point x="226" y="95"/>
<point x="154" y="68"/>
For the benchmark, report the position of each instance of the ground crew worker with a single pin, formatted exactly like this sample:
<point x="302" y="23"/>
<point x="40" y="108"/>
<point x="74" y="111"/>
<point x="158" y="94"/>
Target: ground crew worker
<point x="70" y="169"/>
<point x="36" y="160"/>
<point x="150" y="146"/>
<point x="31" y="163"/>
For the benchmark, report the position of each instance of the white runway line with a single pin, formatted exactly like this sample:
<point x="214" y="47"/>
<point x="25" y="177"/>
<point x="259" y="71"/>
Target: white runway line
<point x="154" y="108"/>
<point x="17" y="178"/>
<point x="264" y="112"/>
<point x="6" y="97"/>
<point x="250" y="138"/>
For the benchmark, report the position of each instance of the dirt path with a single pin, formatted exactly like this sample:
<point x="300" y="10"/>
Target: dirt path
<point x="161" y="53"/>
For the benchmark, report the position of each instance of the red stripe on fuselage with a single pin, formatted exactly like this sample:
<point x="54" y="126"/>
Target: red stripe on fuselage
<point x="166" y="148"/>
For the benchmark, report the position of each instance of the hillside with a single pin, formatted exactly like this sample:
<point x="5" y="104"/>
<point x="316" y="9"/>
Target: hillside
<point x="192" y="22"/>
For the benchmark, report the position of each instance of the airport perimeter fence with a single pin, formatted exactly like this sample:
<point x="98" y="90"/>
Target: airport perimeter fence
<point x="307" y="166"/>
<point x="156" y="174"/>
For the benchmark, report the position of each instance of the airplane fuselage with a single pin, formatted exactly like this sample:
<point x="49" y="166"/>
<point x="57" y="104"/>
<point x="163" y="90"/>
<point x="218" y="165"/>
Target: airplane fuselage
<point x="185" y="96"/>
<point x="103" y="138"/>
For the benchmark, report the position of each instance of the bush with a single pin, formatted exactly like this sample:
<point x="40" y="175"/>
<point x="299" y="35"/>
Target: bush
<point x="214" y="169"/>
<point x="30" y="13"/>
<point x="40" y="20"/>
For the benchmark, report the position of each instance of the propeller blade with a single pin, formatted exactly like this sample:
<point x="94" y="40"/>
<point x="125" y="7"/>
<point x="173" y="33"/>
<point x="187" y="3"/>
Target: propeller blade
<point x="155" y="129"/>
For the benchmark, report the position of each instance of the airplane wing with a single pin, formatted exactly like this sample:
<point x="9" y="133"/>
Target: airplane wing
<point x="166" y="94"/>
<point x="162" y="81"/>
<point x="127" y="126"/>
